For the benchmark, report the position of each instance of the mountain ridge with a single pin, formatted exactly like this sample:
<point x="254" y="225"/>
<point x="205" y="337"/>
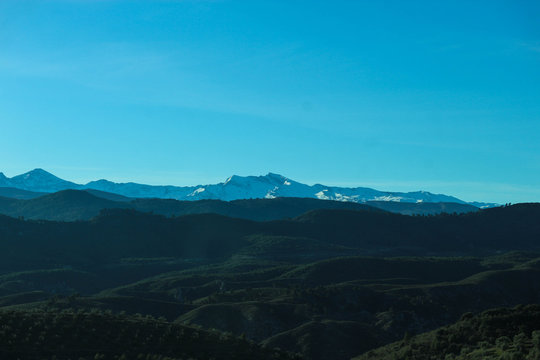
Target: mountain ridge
<point x="235" y="187"/>
<point x="74" y="205"/>
<point x="127" y="233"/>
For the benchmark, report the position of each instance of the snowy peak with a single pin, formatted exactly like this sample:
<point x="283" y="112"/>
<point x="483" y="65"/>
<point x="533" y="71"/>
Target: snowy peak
<point x="275" y="177"/>
<point x="243" y="180"/>
<point x="235" y="187"/>
<point x="36" y="175"/>
<point x="249" y="187"/>
<point x="234" y="180"/>
<point x="279" y="179"/>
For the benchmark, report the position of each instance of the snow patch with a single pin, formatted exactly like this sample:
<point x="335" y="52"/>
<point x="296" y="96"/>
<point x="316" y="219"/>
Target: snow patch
<point x="388" y="198"/>
<point x="321" y="195"/>
<point x="197" y="191"/>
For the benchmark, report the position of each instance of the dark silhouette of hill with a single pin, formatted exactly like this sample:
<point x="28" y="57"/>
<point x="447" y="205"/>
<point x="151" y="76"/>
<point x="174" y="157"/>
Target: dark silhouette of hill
<point x="496" y="229"/>
<point x="73" y="205"/>
<point x="423" y="208"/>
<point x="253" y="209"/>
<point x="66" y="205"/>
<point x="121" y="233"/>
<point x="108" y="195"/>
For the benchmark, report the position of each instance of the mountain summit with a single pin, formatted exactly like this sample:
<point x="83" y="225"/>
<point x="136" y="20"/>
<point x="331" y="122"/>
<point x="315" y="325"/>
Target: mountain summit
<point x="236" y="187"/>
<point x="39" y="180"/>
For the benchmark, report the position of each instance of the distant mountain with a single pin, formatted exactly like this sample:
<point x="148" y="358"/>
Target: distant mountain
<point x="234" y="188"/>
<point x="269" y="186"/>
<point x="38" y="180"/>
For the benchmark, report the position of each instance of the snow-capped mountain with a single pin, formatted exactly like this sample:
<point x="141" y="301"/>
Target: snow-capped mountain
<point x="234" y="188"/>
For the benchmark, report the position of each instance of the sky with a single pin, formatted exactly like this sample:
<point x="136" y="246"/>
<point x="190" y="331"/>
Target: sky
<point x="442" y="96"/>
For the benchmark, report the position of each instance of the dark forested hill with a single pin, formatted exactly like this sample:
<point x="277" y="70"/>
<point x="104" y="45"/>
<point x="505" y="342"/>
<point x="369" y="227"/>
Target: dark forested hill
<point x="124" y="233"/>
<point x="101" y="335"/>
<point x="72" y="205"/>
<point x="67" y="205"/>
<point x="496" y="229"/>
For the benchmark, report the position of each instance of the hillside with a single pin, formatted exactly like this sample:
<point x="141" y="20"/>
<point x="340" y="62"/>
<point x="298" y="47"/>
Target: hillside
<point x="74" y="205"/>
<point x="67" y="205"/>
<point x="492" y="335"/>
<point x="101" y="335"/>
<point x="122" y="233"/>
<point x="286" y="305"/>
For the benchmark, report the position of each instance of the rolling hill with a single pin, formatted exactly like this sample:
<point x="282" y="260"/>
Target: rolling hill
<point x="102" y="335"/>
<point x="119" y="233"/>
<point x="492" y="335"/>
<point x="73" y="205"/>
<point x="330" y="282"/>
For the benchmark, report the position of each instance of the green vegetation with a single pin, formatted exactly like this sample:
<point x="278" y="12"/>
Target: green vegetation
<point x="498" y="334"/>
<point x="328" y="284"/>
<point x="311" y="309"/>
<point x="102" y="335"/>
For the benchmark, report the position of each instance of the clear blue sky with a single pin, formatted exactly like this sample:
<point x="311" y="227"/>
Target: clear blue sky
<point x="396" y="95"/>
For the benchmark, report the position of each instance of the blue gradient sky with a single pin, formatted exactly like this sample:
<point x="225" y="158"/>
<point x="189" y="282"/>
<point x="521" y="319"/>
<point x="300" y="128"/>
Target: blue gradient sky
<point x="431" y="95"/>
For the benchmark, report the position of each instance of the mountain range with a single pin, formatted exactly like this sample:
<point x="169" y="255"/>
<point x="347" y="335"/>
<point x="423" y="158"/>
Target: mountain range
<point x="234" y="188"/>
